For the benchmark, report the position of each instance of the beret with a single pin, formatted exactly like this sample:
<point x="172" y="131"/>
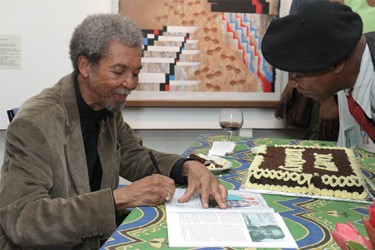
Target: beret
<point x="315" y="38"/>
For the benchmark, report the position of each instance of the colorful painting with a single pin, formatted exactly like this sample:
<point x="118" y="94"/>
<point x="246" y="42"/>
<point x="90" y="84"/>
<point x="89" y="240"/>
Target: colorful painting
<point x="203" y="49"/>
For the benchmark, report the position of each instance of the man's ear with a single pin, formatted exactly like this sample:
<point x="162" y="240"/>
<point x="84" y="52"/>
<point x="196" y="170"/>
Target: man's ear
<point x="83" y="66"/>
<point x="339" y="67"/>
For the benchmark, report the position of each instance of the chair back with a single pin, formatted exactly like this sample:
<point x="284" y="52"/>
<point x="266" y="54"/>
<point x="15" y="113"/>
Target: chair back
<point x="11" y="113"/>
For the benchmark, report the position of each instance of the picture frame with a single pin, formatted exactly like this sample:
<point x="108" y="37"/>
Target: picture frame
<point x="203" y="53"/>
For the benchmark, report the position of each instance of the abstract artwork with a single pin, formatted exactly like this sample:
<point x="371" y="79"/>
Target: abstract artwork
<point x="203" y="50"/>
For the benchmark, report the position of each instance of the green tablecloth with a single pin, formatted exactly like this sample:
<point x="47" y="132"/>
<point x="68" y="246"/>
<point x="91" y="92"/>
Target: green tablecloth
<point x="309" y="220"/>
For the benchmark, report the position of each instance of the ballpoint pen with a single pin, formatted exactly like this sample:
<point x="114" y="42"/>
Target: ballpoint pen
<point x="154" y="162"/>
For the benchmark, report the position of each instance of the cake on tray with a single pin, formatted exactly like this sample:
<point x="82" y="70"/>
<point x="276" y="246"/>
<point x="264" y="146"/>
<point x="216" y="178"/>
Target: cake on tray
<point x="307" y="170"/>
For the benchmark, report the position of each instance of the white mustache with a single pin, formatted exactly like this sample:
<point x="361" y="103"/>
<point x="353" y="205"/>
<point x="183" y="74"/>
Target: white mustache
<point x="122" y="91"/>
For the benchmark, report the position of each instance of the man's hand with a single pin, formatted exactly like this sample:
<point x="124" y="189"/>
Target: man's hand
<point x="149" y="191"/>
<point x="285" y="98"/>
<point x="200" y="178"/>
<point x="329" y="119"/>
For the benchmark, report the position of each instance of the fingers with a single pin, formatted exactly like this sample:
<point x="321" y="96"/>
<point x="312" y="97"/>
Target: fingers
<point x="169" y="196"/>
<point x="219" y="193"/>
<point x="187" y="195"/>
<point x="149" y="191"/>
<point x="164" y="196"/>
<point x="200" y="178"/>
<point x="221" y="197"/>
<point x="205" y="196"/>
<point x="166" y="192"/>
<point x="167" y="188"/>
<point x="211" y="188"/>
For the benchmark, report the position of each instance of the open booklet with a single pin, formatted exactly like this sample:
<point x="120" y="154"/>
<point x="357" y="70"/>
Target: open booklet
<point x="249" y="222"/>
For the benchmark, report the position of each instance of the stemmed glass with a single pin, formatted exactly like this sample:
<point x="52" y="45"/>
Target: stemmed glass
<point x="231" y="120"/>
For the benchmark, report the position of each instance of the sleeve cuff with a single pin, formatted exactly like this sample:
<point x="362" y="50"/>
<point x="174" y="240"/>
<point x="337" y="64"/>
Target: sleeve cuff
<point x="176" y="172"/>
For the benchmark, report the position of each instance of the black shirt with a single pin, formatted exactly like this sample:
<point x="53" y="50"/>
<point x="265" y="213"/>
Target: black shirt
<point x="90" y="119"/>
<point x="90" y="130"/>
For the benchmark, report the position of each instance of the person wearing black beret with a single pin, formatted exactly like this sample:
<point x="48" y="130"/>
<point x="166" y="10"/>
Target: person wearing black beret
<point x="323" y="50"/>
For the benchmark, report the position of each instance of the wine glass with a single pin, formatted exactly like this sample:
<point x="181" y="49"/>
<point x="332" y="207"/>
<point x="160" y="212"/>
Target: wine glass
<point x="231" y="120"/>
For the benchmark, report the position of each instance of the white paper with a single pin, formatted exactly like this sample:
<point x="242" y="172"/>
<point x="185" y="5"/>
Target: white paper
<point x="10" y="51"/>
<point x="190" y="225"/>
<point x="221" y="148"/>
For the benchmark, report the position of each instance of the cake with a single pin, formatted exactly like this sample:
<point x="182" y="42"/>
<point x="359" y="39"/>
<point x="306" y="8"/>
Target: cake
<point x="308" y="170"/>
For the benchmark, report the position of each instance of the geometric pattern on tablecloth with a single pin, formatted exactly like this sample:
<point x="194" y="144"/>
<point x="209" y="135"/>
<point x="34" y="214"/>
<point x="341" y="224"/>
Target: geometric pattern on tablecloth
<point x="134" y="231"/>
<point x="307" y="215"/>
<point x="304" y="215"/>
<point x="296" y="213"/>
<point x="309" y="220"/>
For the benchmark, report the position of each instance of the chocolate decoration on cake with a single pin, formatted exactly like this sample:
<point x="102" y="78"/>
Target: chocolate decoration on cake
<point x="327" y="171"/>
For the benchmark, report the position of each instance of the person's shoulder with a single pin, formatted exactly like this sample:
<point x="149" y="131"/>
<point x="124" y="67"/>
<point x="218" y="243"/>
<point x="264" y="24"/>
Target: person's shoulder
<point x="46" y="104"/>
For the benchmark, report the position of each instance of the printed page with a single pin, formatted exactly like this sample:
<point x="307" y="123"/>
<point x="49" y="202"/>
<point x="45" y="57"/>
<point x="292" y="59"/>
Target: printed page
<point x="233" y="229"/>
<point x="236" y="200"/>
<point x="249" y="222"/>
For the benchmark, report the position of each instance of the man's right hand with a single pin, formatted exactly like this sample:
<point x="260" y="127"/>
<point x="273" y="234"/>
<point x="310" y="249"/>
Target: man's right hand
<point x="149" y="191"/>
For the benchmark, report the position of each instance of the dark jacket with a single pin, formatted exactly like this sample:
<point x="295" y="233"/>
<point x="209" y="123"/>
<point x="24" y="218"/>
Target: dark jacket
<point x="45" y="197"/>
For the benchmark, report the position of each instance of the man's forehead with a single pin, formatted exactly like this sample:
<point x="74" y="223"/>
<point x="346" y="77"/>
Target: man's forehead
<point x="122" y="55"/>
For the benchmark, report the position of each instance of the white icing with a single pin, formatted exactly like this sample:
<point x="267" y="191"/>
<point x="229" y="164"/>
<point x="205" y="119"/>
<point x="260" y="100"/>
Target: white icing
<point x="293" y="160"/>
<point x="324" y="161"/>
<point x="293" y="171"/>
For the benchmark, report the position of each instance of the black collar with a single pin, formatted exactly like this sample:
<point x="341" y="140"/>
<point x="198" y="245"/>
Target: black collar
<point x="88" y="116"/>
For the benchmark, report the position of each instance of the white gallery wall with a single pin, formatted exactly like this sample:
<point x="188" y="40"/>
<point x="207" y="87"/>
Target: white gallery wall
<point x="44" y="28"/>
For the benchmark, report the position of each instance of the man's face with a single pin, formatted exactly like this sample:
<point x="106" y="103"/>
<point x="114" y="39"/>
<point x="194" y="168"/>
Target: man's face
<point x="116" y="75"/>
<point x="272" y="233"/>
<point x="267" y="232"/>
<point x="318" y="86"/>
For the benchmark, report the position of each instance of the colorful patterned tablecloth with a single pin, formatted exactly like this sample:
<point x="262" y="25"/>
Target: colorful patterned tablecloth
<point x="309" y="220"/>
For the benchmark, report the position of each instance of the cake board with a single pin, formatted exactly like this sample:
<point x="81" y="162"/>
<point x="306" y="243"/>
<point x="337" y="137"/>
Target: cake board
<point x="368" y="200"/>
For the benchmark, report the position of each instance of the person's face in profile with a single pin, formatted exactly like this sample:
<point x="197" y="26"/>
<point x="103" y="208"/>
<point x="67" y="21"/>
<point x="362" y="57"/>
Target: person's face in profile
<point x="316" y="85"/>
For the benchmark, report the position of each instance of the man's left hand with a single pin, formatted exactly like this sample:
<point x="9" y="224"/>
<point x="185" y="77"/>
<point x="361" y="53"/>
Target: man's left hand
<point x="200" y="178"/>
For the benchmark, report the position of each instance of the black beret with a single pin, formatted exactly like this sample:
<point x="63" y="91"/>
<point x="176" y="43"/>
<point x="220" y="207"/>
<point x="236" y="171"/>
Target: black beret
<point x="316" y="37"/>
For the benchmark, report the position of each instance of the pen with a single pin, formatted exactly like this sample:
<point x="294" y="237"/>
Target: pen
<point x="154" y="162"/>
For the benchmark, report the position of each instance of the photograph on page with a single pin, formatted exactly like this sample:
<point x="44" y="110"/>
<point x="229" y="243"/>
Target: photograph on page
<point x="235" y="200"/>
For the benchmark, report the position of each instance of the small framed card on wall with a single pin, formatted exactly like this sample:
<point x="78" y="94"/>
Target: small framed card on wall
<point x="203" y="53"/>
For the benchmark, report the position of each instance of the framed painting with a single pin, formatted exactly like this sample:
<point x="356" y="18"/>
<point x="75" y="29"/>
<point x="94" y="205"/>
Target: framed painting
<point x="203" y="53"/>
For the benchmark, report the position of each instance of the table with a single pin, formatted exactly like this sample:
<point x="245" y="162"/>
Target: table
<point x="309" y="220"/>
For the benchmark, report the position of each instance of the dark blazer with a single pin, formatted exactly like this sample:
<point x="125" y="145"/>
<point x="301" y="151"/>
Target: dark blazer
<point x="45" y="197"/>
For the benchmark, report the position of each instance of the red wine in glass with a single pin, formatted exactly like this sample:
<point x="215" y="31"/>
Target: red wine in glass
<point x="232" y="126"/>
<point x="231" y="120"/>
